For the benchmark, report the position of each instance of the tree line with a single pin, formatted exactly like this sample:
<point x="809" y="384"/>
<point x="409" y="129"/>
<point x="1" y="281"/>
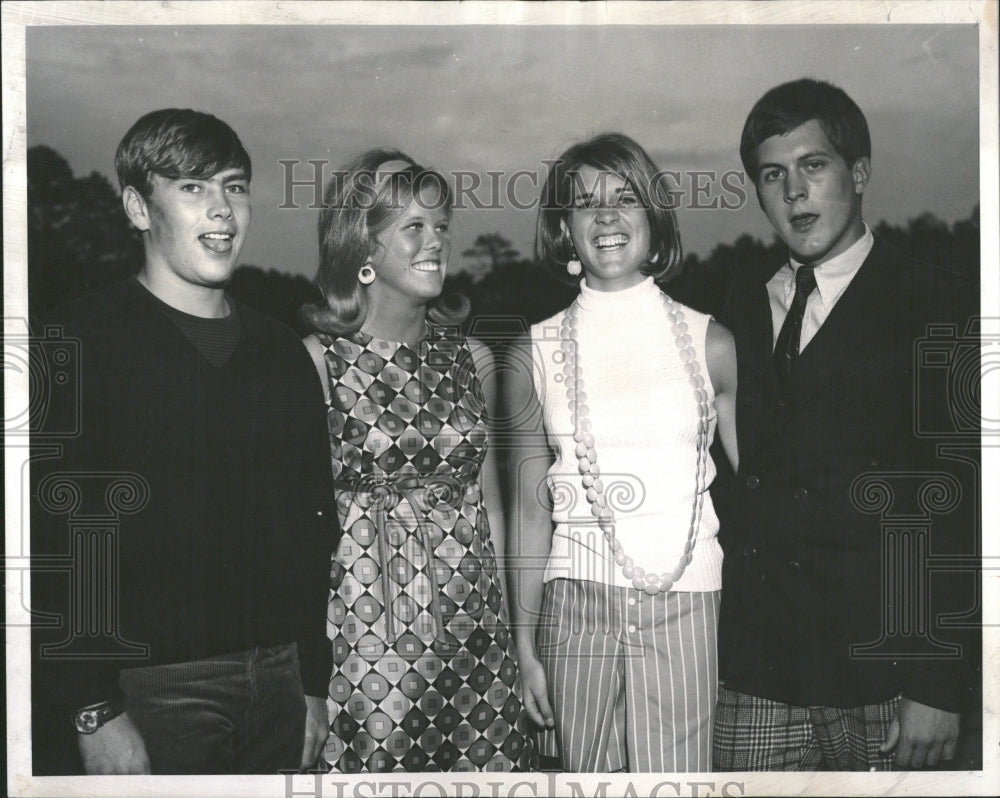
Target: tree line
<point x="79" y="240"/>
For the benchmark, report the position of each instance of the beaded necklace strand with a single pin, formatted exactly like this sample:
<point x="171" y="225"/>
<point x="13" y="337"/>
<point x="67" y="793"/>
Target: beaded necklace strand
<point x="586" y="452"/>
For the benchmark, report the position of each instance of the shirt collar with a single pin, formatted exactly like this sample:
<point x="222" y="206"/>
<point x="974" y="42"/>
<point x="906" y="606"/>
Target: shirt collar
<point x="833" y="276"/>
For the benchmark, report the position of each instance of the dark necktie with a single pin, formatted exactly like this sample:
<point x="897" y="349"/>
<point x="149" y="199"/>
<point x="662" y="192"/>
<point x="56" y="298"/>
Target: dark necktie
<point x="787" y="347"/>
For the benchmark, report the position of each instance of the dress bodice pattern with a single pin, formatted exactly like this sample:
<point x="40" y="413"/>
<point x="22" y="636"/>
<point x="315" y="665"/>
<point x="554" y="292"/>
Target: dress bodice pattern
<point x="424" y="675"/>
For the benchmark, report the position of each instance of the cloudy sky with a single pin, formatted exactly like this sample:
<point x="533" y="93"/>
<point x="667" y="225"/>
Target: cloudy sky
<point x="505" y="98"/>
<point x="502" y="97"/>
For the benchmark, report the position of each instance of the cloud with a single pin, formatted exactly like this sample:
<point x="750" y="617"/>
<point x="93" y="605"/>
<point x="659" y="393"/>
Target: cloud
<point x="500" y="97"/>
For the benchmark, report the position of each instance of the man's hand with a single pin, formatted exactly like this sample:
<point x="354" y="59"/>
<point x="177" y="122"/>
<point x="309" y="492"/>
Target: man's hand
<point x="116" y="748"/>
<point x="921" y="735"/>
<point x="317" y="730"/>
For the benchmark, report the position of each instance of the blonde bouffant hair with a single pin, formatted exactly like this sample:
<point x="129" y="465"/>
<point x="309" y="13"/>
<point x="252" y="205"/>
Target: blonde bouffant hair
<point x="359" y="203"/>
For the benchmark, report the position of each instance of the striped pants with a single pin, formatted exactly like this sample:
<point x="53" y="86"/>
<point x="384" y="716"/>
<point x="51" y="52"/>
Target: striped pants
<point x="632" y="678"/>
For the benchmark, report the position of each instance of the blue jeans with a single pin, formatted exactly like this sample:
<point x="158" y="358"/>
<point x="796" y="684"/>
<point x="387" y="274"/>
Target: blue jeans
<point x="235" y="713"/>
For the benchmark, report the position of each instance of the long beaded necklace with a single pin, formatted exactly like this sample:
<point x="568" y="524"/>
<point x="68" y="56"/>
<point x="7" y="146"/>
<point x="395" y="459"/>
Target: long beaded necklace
<point x="586" y="452"/>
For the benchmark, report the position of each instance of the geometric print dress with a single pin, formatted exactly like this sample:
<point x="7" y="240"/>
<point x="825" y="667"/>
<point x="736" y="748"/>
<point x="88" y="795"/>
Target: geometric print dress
<point x="424" y="675"/>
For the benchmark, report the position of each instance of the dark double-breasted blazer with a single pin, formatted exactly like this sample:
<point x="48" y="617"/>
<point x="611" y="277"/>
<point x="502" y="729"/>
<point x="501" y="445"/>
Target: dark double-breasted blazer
<point x="844" y="496"/>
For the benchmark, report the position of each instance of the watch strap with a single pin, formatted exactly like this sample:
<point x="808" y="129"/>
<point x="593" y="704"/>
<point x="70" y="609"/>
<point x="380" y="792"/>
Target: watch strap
<point x="89" y="719"/>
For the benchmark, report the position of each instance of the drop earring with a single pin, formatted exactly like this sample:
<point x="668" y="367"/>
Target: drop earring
<point x="574" y="267"/>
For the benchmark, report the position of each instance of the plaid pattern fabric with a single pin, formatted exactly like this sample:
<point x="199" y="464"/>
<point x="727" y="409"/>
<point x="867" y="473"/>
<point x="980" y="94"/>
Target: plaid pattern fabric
<point x="424" y="674"/>
<point x="753" y="733"/>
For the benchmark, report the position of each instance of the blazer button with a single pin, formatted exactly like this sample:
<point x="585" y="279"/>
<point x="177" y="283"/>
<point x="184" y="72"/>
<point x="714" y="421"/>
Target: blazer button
<point x="752" y="482"/>
<point x="794" y="565"/>
<point x="749" y="551"/>
<point x="800" y="493"/>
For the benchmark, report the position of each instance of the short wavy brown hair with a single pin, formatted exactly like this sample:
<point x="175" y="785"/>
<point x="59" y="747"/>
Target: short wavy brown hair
<point x="791" y="105"/>
<point x="617" y="154"/>
<point x="177" y="143"/>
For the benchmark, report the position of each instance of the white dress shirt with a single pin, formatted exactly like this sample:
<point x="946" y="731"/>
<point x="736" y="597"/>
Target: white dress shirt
<point x="832" y="278"/>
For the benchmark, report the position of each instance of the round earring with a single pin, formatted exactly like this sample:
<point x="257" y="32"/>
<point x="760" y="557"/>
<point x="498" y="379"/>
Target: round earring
<point x="366" y="274"/>
<point x="574" y="267"/>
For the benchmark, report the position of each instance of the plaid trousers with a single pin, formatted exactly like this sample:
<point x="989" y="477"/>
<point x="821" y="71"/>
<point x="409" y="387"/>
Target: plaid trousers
<point x="753" y="733"/>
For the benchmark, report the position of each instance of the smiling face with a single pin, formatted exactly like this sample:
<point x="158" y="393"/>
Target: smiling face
<point x="609" y="230"/>
<point x="193" y="229"/>
<point x="811" y="196"/>
<point x="411" y="256"/>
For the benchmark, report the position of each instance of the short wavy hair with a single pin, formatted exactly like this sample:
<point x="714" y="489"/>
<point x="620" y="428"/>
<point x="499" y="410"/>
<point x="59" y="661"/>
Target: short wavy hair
<point x="359" y="203"/>
<point x="620" y="155"/>
<point x="176" y="143"/>
<point x="792" y="104"/>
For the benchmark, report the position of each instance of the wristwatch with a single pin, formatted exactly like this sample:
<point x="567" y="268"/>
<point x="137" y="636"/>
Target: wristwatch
<point x="89" y="719"/>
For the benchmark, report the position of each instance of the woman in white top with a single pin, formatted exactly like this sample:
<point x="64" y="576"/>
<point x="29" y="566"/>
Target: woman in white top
<point x="613" y="404"/>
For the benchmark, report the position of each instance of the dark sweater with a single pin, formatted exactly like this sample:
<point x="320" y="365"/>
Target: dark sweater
<point x="231" y="546"/>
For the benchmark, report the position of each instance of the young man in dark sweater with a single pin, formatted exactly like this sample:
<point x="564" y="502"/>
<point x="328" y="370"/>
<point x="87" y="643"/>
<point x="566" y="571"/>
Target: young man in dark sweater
<point x="191" y="638"/>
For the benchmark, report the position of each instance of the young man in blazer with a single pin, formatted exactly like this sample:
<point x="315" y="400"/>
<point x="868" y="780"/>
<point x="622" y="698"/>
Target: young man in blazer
<point x="814" y="673"/>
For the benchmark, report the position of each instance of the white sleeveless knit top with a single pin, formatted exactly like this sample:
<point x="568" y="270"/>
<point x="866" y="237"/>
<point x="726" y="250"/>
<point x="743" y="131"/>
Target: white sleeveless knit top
<point x="645" y="425"/>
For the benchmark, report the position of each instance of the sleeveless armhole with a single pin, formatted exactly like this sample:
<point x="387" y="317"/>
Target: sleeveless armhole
<point x="537" y="360"/>
<point x="704" y="356"/>
<point x="697" y="317"/>
<point x="317" y="351"/>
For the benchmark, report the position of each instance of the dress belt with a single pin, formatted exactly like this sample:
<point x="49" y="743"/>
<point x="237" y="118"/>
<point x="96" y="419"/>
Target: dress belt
<point x="382" y="493"/>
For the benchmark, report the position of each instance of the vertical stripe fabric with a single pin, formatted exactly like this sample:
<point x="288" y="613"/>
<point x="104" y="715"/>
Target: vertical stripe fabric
<point x="632" y="678"/>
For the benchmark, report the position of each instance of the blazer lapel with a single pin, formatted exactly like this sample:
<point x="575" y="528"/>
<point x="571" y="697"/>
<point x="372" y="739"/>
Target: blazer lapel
<point x="758" y="382"/>
<point x="847" y="337"/>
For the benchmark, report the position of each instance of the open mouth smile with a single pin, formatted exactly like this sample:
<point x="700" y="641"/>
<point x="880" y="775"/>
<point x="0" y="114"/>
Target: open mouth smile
<point x="427" y="266"/>
<point x="220" y="242"/>
<point x="611" y="242"/>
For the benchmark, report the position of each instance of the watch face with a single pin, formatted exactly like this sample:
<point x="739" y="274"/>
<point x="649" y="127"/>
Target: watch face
<point x="86" y="722"/>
